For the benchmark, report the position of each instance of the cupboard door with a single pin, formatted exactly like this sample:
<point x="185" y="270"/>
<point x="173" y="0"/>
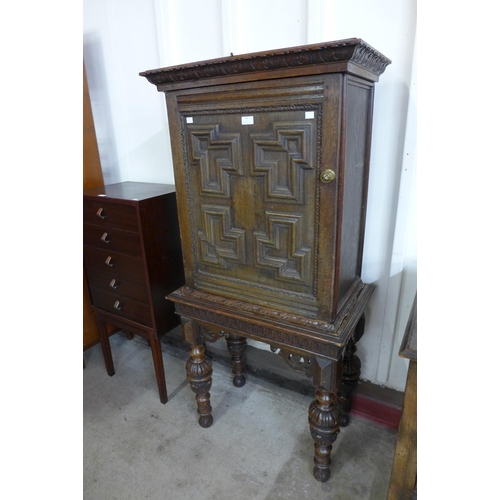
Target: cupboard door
<point x="251" y="174"/>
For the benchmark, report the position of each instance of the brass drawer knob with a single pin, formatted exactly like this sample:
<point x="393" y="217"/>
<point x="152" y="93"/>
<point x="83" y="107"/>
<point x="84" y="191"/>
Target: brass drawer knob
<point x="101" y="213"/>
<point x="105" y="237"/>
<point x="109" y="261"/>
<point x="114" y="284"/>
<point x="118" y="305"/>
<point x="327" y="176"/>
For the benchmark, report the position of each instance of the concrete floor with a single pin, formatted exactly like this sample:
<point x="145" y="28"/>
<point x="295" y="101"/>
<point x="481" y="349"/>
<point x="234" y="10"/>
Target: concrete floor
<point x="259" y="446"/>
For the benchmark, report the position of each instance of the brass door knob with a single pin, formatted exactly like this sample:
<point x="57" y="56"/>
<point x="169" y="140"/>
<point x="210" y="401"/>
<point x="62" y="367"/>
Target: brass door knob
<point x="327" y="176"/>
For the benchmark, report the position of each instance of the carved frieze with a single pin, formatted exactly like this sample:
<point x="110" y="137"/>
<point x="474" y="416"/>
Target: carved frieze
<point x="277" y="328"/>
<point x="261" y="312"/>
<point x="258" y="331"/>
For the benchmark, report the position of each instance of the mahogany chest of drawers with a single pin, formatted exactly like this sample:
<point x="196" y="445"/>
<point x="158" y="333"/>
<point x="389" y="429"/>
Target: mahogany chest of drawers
<point x="133" y="260"/>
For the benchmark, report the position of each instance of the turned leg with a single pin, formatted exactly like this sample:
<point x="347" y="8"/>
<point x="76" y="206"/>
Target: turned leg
<point x="199" y="374"/>
<point x="236" y="346"/>
<point x="323" y="415"/>
<point x="350" y="375"/>
<point x="155" y="344"/>
<point x="324" y="425"/>
<point x="106" y="348"/>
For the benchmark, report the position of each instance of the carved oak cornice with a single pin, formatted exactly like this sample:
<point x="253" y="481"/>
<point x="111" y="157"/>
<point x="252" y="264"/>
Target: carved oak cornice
<point x="351" y="50"/>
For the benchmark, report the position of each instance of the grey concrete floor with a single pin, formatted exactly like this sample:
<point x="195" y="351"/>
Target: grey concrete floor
<point x="259" y="446"/>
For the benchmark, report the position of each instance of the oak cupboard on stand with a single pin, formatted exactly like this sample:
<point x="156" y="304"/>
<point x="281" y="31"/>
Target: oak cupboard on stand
<point x="271" y="157"/>
<point x="132" y="258"/>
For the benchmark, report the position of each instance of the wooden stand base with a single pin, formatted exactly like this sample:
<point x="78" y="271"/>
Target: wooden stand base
<point x="325" y="354"/>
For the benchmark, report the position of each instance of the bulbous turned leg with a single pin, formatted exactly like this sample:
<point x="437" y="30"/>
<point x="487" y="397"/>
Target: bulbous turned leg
<point x="236" y="346"/>
<point x="350" y="378"/>
<point x="324" y="425"/>
<point x="199" y="374"/>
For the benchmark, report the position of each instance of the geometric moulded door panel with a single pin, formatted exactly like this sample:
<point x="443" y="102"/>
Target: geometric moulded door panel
<point x="254" y="210"/>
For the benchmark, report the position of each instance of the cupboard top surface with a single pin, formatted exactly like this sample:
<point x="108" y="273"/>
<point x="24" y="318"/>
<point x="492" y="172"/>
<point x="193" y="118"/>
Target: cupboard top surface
<point x="307" y="58"/>
<point x="135" y="191"/>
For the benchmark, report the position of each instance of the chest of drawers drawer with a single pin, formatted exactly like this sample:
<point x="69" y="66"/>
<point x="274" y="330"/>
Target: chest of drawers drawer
<point x="107" y="214"/>
<point x="123" y="266"/>
<point x="122" y="306"/>
<point x="119" y="284"/>
<point x="112" y="239"/>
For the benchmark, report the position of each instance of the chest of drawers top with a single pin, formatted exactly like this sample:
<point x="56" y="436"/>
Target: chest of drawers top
<point x="125" y="193"/>
<point x="128" y="192"/>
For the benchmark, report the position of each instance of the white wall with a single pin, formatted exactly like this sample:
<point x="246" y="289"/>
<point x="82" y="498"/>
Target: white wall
<point x="119" y="41"/>
<point x="124" y="37"/>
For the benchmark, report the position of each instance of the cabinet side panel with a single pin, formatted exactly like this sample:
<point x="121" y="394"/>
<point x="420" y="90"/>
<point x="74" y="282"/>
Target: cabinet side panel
<point x="358" y="134"/>
<point x="181" y="187"/>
